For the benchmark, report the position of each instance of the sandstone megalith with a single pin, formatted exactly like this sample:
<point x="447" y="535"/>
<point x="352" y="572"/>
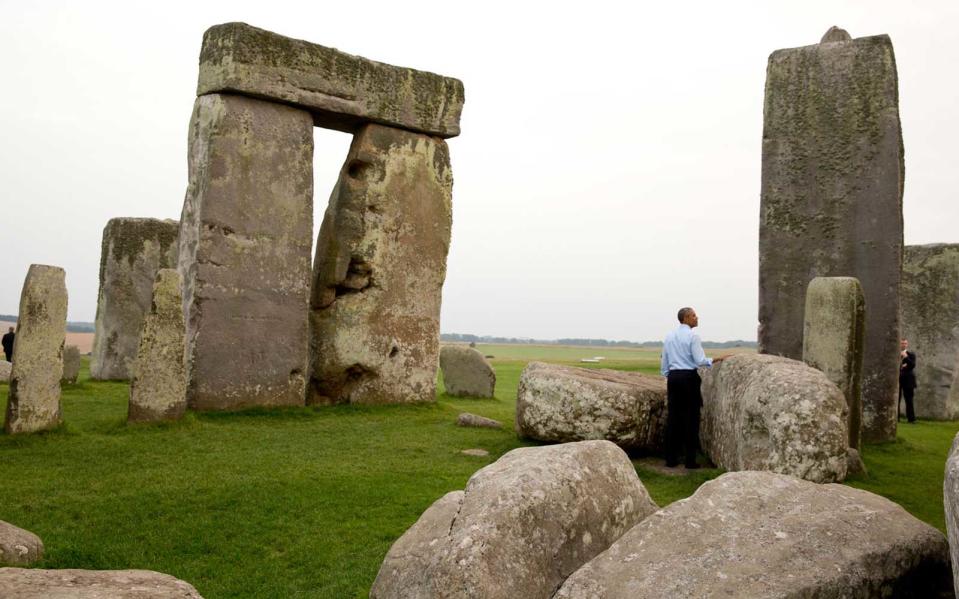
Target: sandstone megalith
<point x="244" y="254"/>
<point x="158" y="388"/>
<point x="71" y="364"/>
<point x="36" y="583"/>
<point x="950" y="493"/>
<point x="466" y="373"/>
<point x="833" y="336"/>
<point x="18" y="547"/>
<point x="34" y="400"/>
<point x="930" y="321"/>
<point x="379" y="271"/>
<point x="133" y="250"/>
<point x="764" y="412"/>
<point x="522" y="525"/>
<point x="831" y="201"/>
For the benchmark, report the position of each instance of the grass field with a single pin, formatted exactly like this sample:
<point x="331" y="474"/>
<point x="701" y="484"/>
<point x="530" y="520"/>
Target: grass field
<point x="305" y="502"/>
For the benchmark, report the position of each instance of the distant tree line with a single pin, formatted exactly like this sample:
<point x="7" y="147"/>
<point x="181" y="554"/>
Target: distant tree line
<point x="72" y="327"/>
<point x="467" y="338"/>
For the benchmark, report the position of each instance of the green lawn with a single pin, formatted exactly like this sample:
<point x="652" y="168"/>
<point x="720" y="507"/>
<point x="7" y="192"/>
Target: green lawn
<point x="305" y="502"/>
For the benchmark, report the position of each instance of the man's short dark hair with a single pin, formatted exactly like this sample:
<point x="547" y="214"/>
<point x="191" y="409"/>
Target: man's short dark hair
<point x="682" y="313"/>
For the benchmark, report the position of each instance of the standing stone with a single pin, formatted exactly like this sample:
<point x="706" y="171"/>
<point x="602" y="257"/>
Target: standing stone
<point x="466" y="373"/>
<point x="71" y="364"/>
<point x="158" y="388"/>
<point x="5" y="369"/>
<point x="245" y="237"/>
<point x="379" y="271"/>
<point x="833" y="336"/>
<point x="133" y="250"/>
<point x="950" y="492"/>
<point x="832" y="180"/>
<point x="930" y="321"/>
<point x="34" y="400"/>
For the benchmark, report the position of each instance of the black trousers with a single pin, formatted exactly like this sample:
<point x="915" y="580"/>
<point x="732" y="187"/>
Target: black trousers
<point x="908" y="393"/>
<point x="683" y="404"/>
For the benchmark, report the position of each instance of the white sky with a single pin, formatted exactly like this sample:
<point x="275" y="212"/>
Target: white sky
<point x="607" y="173"/>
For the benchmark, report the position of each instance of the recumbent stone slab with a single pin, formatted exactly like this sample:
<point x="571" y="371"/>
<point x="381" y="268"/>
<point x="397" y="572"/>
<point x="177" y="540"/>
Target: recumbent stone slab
<point x="33" y="403"/>
<point x="764" y="412"/>
<point x="466" y="373"/>
<point x="831" y="202"/>
<point x="833" y="336"/>
<point x="476" y="421"/>
<point x="521" y="526"/>
<point x="564" y="403"/>
<point x="71" y="364"/>
<point x="759" y="535"/>
<point x="158" y="388"/>
<point x="92" y="584"/>
<point x="18" y="547"/>
<point x="379" y="271"/>
<point x="342" y="91"/>
<point x="930" y="321"/>
<point x="133" y="250"/>
<point x="245" y="237"/>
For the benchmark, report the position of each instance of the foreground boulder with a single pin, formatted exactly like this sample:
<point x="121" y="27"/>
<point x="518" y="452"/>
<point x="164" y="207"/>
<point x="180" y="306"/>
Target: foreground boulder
<point x="950" y="491"/>
<point x="466" y="373"/>
<point x="765" y="412"/>
<point x="521" y="526"/>
<point x="71" y="364"/>
<point x="765" y="535"/>
<point x="563" y="403"/>
<point x="18" y="547"/>
<point x="92" y="584"/>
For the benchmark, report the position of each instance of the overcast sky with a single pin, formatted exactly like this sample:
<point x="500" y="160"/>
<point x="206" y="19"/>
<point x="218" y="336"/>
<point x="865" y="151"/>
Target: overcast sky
<point x="607" y="172"/>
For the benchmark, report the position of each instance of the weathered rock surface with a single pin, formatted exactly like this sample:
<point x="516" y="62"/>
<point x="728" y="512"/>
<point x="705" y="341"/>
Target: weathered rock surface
<point x="245" y="239"/>
<point x="5" y="369"/>
<point x="835" y="34"/>
<point x="340" y="90"/>
<point x="763" y="535"/>
<point x="950" y="492"/>
<point x="522" y="525"/>
<point x="133" y="250"/>
<point x="833" y="337"/>
<point x="18" y="547"/>
<point x="930" y="321"/>
<point x="379" y="271"/>
<point x="466" y="373"/>
<point x="474" y="420"/>
<point x="71" y="364"/>
<point x="764" y="412"/>
<point x="34" y="400"/>
<point x="92" y="584"/>
<point x="831" y="202"/>
<point x="563" y="403"/>
<point x="158" y="388"/>
<point x="854" y="463"/>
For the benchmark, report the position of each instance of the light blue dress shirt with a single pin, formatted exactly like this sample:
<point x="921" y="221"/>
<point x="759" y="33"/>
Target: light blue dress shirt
<point x="682" y="350"/>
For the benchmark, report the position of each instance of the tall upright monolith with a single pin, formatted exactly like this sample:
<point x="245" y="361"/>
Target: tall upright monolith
<point x="831" y="205"/>
<point x="34" y="400"/>
<point x="930" y="321"/>
<point x="244" y="254"/>
<point x="133" y="250"/>
<point x="833" y="337"/>
<point x="379" y="271"/>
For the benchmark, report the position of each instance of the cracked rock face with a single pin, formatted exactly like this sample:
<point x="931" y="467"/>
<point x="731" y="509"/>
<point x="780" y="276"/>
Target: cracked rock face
<point x="466" y="373"/>
<point x="18" y="547"/>
<point x="951" y="502"/>
<point x="92" y="584"/>
<point x="562" y="403"/>
<point x="521" y="526"/>
<point x="764" y="535"/>
<point x="764" y="412"/>
<point x="244" y="253"/>
<point x="379" y="271"/>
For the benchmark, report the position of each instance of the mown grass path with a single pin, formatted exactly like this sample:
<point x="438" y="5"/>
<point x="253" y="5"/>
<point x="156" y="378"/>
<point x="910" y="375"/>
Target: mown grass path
<point x="305" y="502"/>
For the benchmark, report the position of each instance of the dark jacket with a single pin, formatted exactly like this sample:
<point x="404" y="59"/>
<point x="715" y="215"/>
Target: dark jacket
<point x="907" y="371"/>
<point x="8" y="342"/>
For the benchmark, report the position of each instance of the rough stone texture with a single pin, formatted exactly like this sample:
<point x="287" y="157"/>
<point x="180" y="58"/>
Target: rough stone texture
<point x="71" y="364"/>
<point x="158" y="388"/>
<point x="950" y="492"/>
<point x="18" y="547"/>
<point x="133" y="250"/>
<point x="758" y="534"/>
<point x="854" y="463"/>
<point x="831" y="202"/>
<point x="764" y="412"/>
<point x="835" y="34"/>
<point x="379" y="271"/>
<point x="341" y="90"/>
<point x="92" y="584"/>
<point x="833" y="336"/>
<point x="563" y="403"/>
<point x="476" y="453"/>
<point x="5" y="369"/>
<point x="930" y="321"/>
<point x="34" y="400"/>
<point x="473" y="420"/>
<point x="521" y="526"/>
<point x="245" y="237"/>
<point x="466" y="373"/>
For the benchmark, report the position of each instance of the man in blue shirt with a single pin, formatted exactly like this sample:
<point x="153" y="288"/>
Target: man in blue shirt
<point x="682" y="355"/>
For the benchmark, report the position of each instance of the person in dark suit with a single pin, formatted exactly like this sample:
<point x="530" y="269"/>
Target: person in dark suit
<point x="907" y="378"/>
<point x="8" y="344"/>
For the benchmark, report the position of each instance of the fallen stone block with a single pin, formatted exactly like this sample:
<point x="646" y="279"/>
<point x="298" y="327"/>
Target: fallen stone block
<point x="18" y="547"/>
<point x="473" y="420"/>
<point x="466" y="373"/>
<point x="71" y="364"/>
<point x="92" y="584"/>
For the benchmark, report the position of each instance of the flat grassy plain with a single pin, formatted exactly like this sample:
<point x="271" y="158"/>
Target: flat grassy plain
<point x="305" y="502"/>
